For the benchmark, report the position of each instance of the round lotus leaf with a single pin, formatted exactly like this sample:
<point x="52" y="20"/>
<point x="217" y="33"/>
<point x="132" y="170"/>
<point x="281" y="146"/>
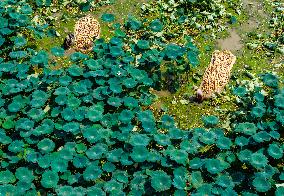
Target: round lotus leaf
<point x="258" y="160"/>
<point x="246" y="128"/>
<point x="7" y="177"/>
<point x="106" y="17"/>
<point x="240" y="91"/>
<point x="92" y="172"/>
<point x="270" y="80"/>
<point x="156" y="25"/>
<point x="275" y="151"/>
<point x="49" y="179"/>
<point x="160" y="181"/>
<point x="261" y="184"/>
<point x="57" y="51"/>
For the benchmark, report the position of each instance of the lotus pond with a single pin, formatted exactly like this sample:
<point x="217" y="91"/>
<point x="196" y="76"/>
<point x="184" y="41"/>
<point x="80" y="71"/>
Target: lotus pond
<point x="120" y="119"/>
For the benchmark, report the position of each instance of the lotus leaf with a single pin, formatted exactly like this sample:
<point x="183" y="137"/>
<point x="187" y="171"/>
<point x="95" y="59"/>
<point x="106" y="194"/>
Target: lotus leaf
<point x="108" y="167"/>
<point x="162" y="139"/>
<point x="224" y="143"/>
<point x="160" y="181"/>
<point x="214" y="166"/>
<point x="68" y="114"/>
<point x="106" y="17"/>
<point x="59" y="165"/>
<point x="196" y="179"/>
<point x="270" y="80"/>
<point x="114" y="101"/>
<point x="167" y="121"/>
<point x="279" y="101"/>
<point x="92" y="172"/>
<point x="7" y="177"/>
<point x="210" y="120"/>
<point x="208" y="138"/>
<point x="16" y="146"/>
<point x="246" y="128"/>
<point x="139" y="140"/>
<point x="261" y="136"/>
<point x="57" y="51"/>
<point x="275" y="151"/>
<point x="139" y="153"/>
<point x="97" y="151"/>
<point x="240" y="91"/>
<point x="261" y="184"/>
<point x="258" y="160"/>
<point x="46" y="145"/>
<point x="196" y="163"/>
<point x="49" y="179"/>
<point x="156" y="25"/>
<point x="19" y="42"/>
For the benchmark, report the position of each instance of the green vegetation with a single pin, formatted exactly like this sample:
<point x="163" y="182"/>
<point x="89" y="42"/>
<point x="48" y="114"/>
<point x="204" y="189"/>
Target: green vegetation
<point x="120" y="120"/>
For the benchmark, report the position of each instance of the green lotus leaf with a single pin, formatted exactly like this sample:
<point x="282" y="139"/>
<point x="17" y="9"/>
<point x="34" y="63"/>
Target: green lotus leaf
<point x="160" y="181"/>
<point x="95" y="113"/>
<point x="143" y="44"/>
<point x="139" y="153"/>
<point x="23" y="186"/>
<point x="19" y="42"/>
<point x="275" y="151"/>
<point x="274" y="135"/>
<point x="129" y="83"/>
<point x="66" y="154"/>
<point x="114" y="101"/>
<point x="7" y="177"/>
<point x="15" y="106"/>
<point x="214" y="166"/>
<point x="259" y="97"/>
<point x="156" y="25"/>
<point x="106" y="17"/>
<point x="139" y="140"/>
<point x="116" y="51"/>
<point x="113" y="187"/>
<point x="62" y="91"/>
<point x="176" y="133"/>
<point x="68" y="114"/>
<point x="162" y="139"/>
<point x="126" y="116"/>
<point x="16" y="146"/>
<point x="241" y="141"/>
<point x="115" y="155"/>
<point x="49" y="179"/>
<point x="116" y="41"/>
<point x="75" y="57"/>
<point x="179" y="192"/>
<point x="40" y="58"/>
<point x="73" y="102"/>
<point x="196" y="163"/>
<point x="261" y="136"/>
<point x="173" y="51"/>
<point x="130" y="102"/>
<point x="133" y="23"/>
<point x="92" y="134"/>
<point x="224" y="181"/>
<point x="18" y="54"/>
<point x="96" y="151"/>
<point x="65" y="80"/>
<point x="59" y="165"/>
<point x="261" y="184"/>
<point x="81" y="148"/>
<point x="244" y="155"/>
<point x="279" y="191"/>
<point x="224" y="143"/>
<point x="92" y="172"/>
<point x="167" y="121"/>
<point x="258" y="111"/>
<point x="258" y="160"/>
<point x="279" y="101"/>
<point x="93" y="64"/>
<point x="24" y="174"/>
<point x="120" y="176"/>
<point x="80" y="88"/>
<point x="240" y="91"/>
<point x="44" y="161"/>
<point x="36" y="114"/>
<point x="196" y="179"/>
<point x="46" y="145"/>
<point x="208" y="138"/>
<point x="57" y="51"/>
<point x="270" y="80"/>
<point x="192" y="57"/>
<point x="64" y="190"/>
<point x="75" y="70"/>
<point x="246" y="128"/>
<point x="210" y="120"/>
<point x="179" y="156"/>
<point x="95" y="191"/>
<point x="108" y="167"/>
